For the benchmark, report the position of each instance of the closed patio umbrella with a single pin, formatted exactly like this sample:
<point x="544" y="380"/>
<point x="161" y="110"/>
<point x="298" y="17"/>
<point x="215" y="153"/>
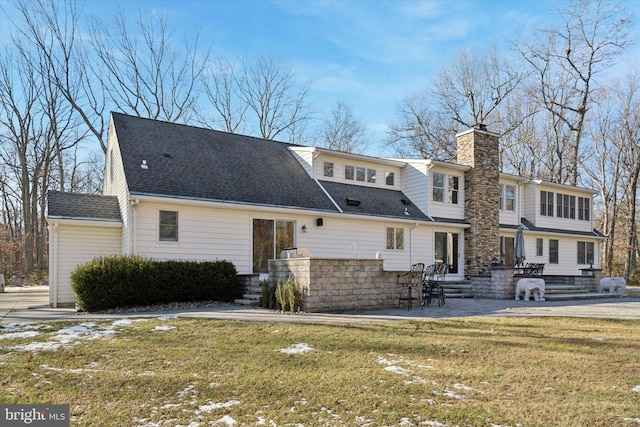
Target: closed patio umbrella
<point x="518" y="249"/>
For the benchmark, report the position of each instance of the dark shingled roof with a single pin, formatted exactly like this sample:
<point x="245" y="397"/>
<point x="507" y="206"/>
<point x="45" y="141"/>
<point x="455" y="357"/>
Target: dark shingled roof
<point x="195" y="163"/>
<point x="373" y="201"/>
<point x="82" y="206"/>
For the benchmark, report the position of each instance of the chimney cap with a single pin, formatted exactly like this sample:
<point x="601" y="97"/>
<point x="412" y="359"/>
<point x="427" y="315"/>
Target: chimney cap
<point x="480" y="126"/>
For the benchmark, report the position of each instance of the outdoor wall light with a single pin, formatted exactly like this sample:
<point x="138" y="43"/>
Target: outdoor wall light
<point x="304" y="228"/>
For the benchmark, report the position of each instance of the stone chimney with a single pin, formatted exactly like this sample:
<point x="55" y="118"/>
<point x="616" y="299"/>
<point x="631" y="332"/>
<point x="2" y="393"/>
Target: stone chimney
<point x="479" y="149"/>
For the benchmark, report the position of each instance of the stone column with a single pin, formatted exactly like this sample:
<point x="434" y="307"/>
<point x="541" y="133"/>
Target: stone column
<point x="479" y="149"/>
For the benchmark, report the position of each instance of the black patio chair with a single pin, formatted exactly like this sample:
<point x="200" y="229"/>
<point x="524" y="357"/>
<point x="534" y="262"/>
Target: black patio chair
<point x="410" y="280"/>
<point x="432" y="284"/>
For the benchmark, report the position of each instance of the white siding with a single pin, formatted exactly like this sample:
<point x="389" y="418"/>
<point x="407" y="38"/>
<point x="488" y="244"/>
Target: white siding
<point x="304" y="155"/>
<point x="203" y="234"/>
<point x="446" y="210"/>
<point x="567" y="252"/>
<point x="511" y="217"/>
<point x="220" y="232"/>
<point x="117" y="186"/>
<point x="414" y="185"/>
<point x="73" y="245"/>
<point x="340" y="162"/>
<point x="532" y="195"/>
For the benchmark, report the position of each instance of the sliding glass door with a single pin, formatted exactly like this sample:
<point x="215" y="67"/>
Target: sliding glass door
<point x="270" y="238"/>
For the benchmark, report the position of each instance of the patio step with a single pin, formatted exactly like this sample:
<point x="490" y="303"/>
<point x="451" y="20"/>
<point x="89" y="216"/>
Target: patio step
<point x="554" y="292"/>
<point x="461" y="289"/>
<point x="250" y="297"/>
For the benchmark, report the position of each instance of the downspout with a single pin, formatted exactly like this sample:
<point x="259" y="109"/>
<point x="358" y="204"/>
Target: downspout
<point x="134" y="226"/>
<point x="430" y="166"/>
<point x="53" y="261"/>
<point x="411" y="242"/>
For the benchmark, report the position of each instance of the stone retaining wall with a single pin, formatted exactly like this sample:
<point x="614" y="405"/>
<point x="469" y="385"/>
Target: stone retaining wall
<point x="339" y="284"/>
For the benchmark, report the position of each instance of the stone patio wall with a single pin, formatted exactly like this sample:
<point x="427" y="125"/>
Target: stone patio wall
<point x="330" y="285"/>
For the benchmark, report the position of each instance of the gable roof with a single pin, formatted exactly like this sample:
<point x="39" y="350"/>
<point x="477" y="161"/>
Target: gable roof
<point x="195" y="163"/>
<point x="82" y="206"/>
<point x="359" y="199"/>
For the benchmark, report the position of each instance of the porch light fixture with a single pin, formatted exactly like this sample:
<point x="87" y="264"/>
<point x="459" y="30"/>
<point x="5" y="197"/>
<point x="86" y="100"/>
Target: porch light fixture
<point x="304" y="228"/>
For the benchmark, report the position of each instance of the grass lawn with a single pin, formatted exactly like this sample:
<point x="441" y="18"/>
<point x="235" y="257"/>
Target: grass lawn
<point x="479" y="372"/>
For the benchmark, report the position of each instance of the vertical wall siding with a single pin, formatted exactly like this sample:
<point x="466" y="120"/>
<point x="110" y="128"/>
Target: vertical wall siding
<point x="77" y="245"/>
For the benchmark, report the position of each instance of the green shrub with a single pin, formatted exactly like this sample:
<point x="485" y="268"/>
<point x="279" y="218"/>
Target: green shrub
<point x="122" y="281"/>
<point x="289" y="296"/>
<point x="268" y="295"/>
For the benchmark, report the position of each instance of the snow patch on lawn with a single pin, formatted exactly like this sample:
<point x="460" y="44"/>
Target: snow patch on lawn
<point x="297" y="349"/>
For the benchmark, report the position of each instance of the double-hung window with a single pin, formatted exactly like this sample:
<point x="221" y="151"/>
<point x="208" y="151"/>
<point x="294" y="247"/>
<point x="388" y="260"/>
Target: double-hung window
<point x="448" y="185"/>
<point x="584" y="209"/>
<point x="585" y="252"/>
<point x="553" y="251"/>
<point x="507" y="198"/>
<point x="395" y="238"/>
<point x="546" y="203"/>
<point x="168" y="226"/>
<point x="438" y="187"/>
<point x="453" y="190"/>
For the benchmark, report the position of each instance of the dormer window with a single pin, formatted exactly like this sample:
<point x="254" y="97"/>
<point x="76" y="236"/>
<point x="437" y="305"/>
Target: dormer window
<point x="360" y="174"/>
<point x="328" y="169"/>
<point x="371" y="176"/>
<point x="445" y="185"/>
<point x="389" y="178"/>
<point x="349" y="172"/>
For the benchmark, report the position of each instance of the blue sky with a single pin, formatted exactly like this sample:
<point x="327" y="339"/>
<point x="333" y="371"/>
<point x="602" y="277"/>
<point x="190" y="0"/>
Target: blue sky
<point x="367" y="53"/>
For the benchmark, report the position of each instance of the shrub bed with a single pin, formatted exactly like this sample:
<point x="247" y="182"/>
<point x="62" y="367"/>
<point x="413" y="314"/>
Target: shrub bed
<point x="281" y="296"/>
<point x="124" y="281"/>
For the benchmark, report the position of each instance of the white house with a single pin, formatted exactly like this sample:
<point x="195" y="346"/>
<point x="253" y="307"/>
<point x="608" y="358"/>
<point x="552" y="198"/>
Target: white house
<point x="180" y="192"/>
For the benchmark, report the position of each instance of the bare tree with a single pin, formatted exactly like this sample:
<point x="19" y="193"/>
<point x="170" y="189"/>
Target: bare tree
<point x="269" y="90"/>
<point x="341" y="131"/>
<point x="221" y="89"/>
<point x="474" y="85"/>
<point x="51" y="27"/>
<point x="604" y="170"/>
<point x="145" y="74"/>
<point x="566" y="61"/>
<point x="468" y="92"/>
<point x="421" y="132"/>
<point x="628" y="131"/>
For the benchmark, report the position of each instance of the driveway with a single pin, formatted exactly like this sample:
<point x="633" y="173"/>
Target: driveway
<point x="17" y="307"/>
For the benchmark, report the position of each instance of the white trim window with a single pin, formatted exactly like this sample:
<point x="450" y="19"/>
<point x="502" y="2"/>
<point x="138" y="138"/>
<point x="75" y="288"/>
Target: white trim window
<point x="507" y="197"/>
<point x="584" y="209"/>
<point x="539" y="247"/>
<point x="546" y="203"/>
<point x="168" y="226"/>
<point x="349" y="172"/>
<point x="395" y="238"/>
<point x="554" y="251"/>
<point x="328" y="169"/>
<point x="585" y="252"/>
<point x="442" y="184"/>
<point x="389" y="178"/>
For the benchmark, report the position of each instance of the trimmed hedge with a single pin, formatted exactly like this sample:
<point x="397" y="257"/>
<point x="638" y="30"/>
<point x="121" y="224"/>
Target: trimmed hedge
<point x="125" y="281"/>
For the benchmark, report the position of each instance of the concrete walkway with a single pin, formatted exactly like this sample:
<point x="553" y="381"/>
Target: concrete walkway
<point x="17" y="307"/>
